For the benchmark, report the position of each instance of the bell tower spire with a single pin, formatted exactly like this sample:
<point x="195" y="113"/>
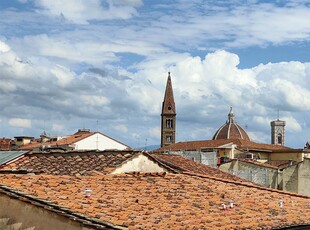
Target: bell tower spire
<point x="168" y="116"/>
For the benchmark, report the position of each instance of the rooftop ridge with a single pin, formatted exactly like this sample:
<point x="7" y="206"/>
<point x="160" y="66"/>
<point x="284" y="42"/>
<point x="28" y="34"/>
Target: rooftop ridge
<point x="266" y="165"/>
<point x="246" y="184"/>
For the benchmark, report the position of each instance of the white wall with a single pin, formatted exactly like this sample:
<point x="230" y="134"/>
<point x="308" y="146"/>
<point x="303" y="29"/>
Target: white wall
<point x="140" y="163"/>
<point x="100" y="142"/>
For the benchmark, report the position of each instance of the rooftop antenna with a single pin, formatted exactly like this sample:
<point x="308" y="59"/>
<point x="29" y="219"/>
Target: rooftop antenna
<point x="145" y="144"/>
<point x="278" y="114"/>
<point x="97" y="141"/>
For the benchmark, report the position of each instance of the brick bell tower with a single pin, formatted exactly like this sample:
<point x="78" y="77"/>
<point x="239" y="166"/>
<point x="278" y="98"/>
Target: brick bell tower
<point x="168" y="116"/>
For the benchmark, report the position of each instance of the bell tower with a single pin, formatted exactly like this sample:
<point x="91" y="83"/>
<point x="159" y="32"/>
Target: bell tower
<point x="277" y="132"/>
<point x="168" y="116"/>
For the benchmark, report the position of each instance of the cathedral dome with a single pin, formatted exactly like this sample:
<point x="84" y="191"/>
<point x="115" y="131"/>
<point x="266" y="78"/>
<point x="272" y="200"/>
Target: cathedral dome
<point x="231" y="130"/>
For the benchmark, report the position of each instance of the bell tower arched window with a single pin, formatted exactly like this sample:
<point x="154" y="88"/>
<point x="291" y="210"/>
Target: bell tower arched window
<point x="169" y="123"/>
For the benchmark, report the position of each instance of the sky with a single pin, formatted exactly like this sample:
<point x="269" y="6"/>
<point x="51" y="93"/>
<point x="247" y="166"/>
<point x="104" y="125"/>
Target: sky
<point x="103" y="65"/>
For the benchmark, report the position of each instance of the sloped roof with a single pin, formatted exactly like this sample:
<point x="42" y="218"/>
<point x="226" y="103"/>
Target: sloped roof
<point x="209" y="144"/>
<point x="70" y="163"/>
<point x="186" y="165"/>
<point x="165" y="201"/>
<point x="69" y="140"/>
<point x="88" y="163"/>
<point x="281" y="163"/>
<point x="253" y="162"/>
<point x="7" y="156"/>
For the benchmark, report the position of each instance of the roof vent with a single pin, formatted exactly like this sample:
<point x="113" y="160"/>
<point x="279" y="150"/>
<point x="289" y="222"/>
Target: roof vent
<point x="281" y="203"/>
<point x="231" y="204"/>
<point x="87" y="192"/>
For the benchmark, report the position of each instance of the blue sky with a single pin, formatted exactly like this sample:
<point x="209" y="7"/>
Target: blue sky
<point x="67" y="64"/>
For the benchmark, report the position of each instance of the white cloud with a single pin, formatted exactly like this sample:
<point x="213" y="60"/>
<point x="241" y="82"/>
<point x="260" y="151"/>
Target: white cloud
<point x="57" y="127"/>
<point x="95" y="100"/>
<point x="121" y="128"/>
<point x="63" y="75"/>
<point x="154" y="132"/>
<point x="4" y="47"/>
<point x="292" y="124"/>
<point x="19" y="122"/>
<point x="81" y="12"/>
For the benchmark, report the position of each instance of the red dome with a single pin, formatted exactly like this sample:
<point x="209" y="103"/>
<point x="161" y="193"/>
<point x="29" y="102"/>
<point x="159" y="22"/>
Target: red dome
<point x="230" y="130"/>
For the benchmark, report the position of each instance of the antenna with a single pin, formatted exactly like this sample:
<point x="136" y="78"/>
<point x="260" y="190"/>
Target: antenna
<point x="278" y="113"/>
<point x="145" y="144"/>
<point x="97" y="141"/>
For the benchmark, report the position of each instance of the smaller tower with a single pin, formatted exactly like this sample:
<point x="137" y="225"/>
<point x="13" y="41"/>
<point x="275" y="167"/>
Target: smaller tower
<point x="277" y="132"/>
<point x="168" y="116"/>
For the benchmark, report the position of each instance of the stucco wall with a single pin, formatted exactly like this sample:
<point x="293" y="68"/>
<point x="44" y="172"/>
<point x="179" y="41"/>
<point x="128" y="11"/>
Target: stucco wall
<point x="259" y="173"/>
<point x="296" y="178"/>
<point x="139" y="164"/>
<point x="304" y="177"/>
<point x="286" y="156"/>
<point x="100" y="142"/>
<point x="290" y="179"/>
<point x="34" y="216"/>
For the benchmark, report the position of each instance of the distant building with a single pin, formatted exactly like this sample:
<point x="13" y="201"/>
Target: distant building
<point x="277" y="132"/>
<point x="231" y="141"/>
<point x="23" y="140"/>
<point x="231" y="130"/>
<point x="168" y="116"/>
<point x="84" y="139"/>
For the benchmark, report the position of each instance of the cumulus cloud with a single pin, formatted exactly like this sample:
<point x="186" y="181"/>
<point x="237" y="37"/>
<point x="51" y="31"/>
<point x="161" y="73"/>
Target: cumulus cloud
<point x="19" y="122"/>
<point x="67" y="65"/>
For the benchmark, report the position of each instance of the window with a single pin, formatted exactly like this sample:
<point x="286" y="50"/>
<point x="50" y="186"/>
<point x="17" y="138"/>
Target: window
<point x="169" y="123"/>
<point x="279" y="138"/>
<point x="169" y="139"/>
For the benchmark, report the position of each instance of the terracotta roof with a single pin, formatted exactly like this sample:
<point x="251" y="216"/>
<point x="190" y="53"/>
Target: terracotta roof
<point x="244" y="145"/>
<point x="241" y="144"/>
<point x="281" y="163"/>
<point x="230" y="130"/>
<point x="193" y="145"/>
<point x="70" y="163"/>
<point x="165" y="201"/>
<point x="185" y="165"/>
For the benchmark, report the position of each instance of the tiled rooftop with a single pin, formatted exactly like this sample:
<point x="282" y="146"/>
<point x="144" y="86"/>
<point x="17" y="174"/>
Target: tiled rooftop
<point x="88" y="163"/>
<point x="166" y="201"/>
<point x="241" y="144"/>
<point x="185" y="165"/>
<point x="70" y="163"/>
<point x="281" y="163"/>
